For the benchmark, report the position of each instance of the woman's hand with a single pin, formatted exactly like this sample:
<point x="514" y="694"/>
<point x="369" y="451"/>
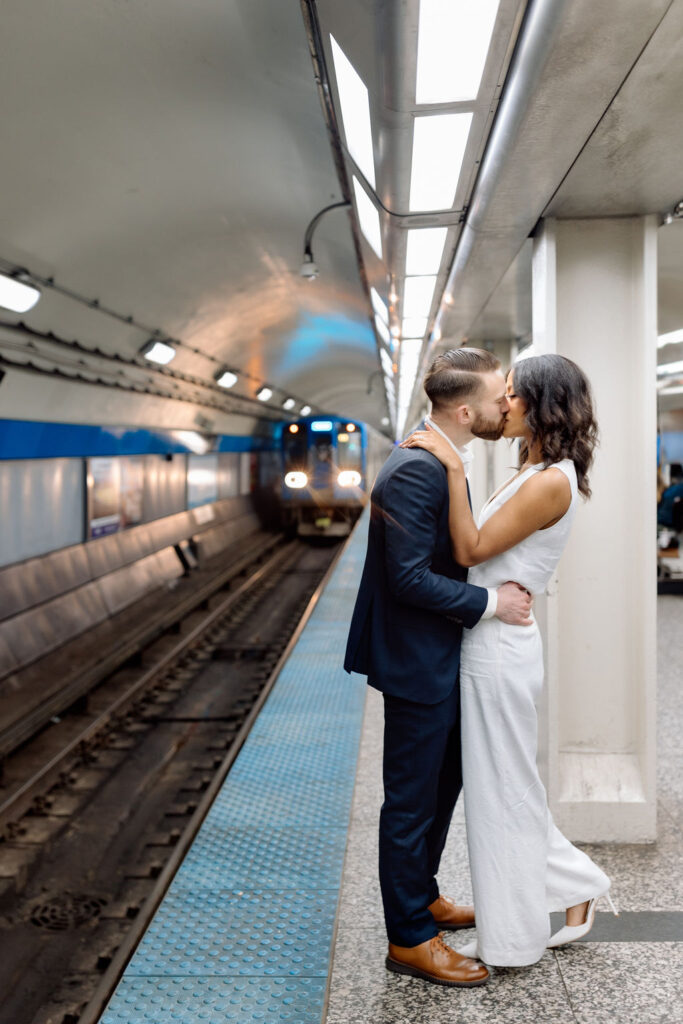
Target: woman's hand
<point x="437" y="445"/>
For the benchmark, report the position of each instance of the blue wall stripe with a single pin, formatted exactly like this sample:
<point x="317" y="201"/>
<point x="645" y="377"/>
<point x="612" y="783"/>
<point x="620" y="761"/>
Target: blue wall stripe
<point x="26" y="439"/>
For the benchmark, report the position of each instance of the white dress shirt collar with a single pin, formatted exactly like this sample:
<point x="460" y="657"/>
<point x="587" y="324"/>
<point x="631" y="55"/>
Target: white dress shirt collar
<point x="462" y="450"/>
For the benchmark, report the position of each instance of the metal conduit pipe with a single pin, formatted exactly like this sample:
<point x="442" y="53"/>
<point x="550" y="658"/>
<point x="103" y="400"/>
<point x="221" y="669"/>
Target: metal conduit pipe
<point x="533" y="47"/>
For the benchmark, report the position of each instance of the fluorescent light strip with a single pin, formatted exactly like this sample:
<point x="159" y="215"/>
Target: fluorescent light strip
<point x="414" y="327"/>
<point x="671" y="391"/>
<point x="387" y="362"/>
<point x="409" y="365"/>
<point x="355" y="105"/>
<point x="368" y="217"/>
<point x="418" y="293"/>
<point x="439" y="142"/>
<point x="667" y="369"/>
<point x="382" y="330"/>
<point x="380" y="307"/>
<point x="453" y="42"/>
<point x="424" y="250"/>
<point x="17" y="295"/>
<point x="671" y="338"/>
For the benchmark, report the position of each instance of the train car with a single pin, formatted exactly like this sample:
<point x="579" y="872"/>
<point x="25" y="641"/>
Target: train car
<point x="324" y="475"/>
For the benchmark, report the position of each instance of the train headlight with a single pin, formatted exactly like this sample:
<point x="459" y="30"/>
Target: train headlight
<point x="296" y="480"/>
<point x="349" y="478"/>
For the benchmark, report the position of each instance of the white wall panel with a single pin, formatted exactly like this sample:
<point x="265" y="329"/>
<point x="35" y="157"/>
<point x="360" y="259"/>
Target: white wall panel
<point x="228" y="474"/>
<point x="164" y="486"/>
<point x="41" y="506"/>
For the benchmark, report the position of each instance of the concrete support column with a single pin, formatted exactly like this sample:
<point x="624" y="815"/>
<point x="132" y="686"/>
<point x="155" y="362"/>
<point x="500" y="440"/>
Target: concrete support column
<point x="595" y="301"/>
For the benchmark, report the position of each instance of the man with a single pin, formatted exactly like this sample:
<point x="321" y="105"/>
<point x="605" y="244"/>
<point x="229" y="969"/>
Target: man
<point x="405" y="635"/>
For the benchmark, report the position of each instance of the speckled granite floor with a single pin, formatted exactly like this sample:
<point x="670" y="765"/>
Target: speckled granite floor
<point x="590" y="983"/>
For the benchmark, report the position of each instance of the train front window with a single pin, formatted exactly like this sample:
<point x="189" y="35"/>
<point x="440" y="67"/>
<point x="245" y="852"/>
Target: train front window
<point x="322" y="446"/>
<point x="295" y="450"/>
<point x="349" y="450"/>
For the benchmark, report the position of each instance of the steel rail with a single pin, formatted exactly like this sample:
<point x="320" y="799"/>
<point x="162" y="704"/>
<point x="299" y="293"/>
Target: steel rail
<point x="51" y="768"/>
<point x="95" y="1007"/>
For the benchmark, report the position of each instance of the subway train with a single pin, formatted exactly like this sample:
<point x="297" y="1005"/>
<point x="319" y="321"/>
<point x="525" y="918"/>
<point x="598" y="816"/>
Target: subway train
<point x="328" y="467"/>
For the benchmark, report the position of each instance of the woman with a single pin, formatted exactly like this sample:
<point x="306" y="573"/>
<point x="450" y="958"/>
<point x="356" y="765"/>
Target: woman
<point x="522" y="866"/>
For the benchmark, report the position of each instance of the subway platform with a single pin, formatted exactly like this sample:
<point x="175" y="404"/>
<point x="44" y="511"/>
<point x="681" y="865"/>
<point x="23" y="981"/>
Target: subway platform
<point x="275" y="914"/>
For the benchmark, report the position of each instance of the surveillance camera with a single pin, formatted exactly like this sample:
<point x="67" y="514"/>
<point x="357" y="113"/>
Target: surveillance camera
<point x="309" y="269"/>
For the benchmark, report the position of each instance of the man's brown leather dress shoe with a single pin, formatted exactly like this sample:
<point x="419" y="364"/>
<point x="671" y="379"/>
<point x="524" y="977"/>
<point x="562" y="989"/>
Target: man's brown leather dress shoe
<point x="434" y="961"/>
<point x="450" y="917"/>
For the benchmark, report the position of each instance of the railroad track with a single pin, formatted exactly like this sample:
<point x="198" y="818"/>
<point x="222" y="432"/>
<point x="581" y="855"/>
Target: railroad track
<point x="109" y="816"/>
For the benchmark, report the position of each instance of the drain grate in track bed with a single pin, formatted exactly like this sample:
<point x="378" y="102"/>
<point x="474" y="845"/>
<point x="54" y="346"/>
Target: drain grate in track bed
<point x="66" y="911"/>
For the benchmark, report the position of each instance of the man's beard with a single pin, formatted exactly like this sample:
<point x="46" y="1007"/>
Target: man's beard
<point x="489" y="430"/>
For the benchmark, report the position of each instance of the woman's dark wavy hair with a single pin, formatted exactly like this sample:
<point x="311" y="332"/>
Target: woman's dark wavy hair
<point x="559" y="412"/>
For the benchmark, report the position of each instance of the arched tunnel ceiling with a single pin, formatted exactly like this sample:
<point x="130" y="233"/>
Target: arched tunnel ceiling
<point x="165" y="159"/>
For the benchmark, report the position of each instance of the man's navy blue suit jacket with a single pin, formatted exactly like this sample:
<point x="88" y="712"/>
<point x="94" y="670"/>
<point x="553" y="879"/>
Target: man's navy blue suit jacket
<point x="413" y="600"/>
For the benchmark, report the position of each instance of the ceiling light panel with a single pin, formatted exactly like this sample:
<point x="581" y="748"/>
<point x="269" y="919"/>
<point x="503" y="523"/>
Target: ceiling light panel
<point x="158" y="352"/>
<point x="380" y="307"/>
<point x="409" y="365"/>
<point x="418" y="293"/>
<point x="452" y="45"/>
<point x="424" y="250"/>
<point x="414" y="327"/>
<point x="17" y="295"/>
<point x="355" y="107"/>
<point x="368" y="217"/>
<point x="439" y="142"/>
<point x="670" y="338"/>
<point x="667" y="369"/>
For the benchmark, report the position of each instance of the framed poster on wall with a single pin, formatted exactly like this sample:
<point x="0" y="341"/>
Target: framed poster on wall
<point x="104" y="496"/>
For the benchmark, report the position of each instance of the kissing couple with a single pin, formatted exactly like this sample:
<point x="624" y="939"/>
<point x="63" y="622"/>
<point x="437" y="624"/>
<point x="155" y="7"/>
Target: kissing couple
<point x="459" y="660"/>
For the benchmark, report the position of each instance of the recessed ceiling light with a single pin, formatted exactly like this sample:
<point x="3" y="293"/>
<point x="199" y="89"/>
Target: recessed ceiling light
<point x="418" y="293"/>
<point x="439" y="142"/>
<point x="17" y="294"/>
<point x="379" y="306"/>
<point x="288" y="403"/>
<point x="226" y="379"/>
<point x="424" y="250"/>
<point x="158" y="352"/>
<point x="355" y="105"/>
<point x="368" y="217"/>
<point x="414" y="327"/>
<point x="453" y="40"/>
<point x="263" y="394"/>
<point x="305" y="410"/>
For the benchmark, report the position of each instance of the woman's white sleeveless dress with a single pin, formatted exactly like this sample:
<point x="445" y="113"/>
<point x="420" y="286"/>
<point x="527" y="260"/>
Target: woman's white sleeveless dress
<point x="522" y="866"/>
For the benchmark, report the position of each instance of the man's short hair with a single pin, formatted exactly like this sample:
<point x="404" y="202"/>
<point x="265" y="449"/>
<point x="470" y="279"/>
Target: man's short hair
<point x="455" y="376"/>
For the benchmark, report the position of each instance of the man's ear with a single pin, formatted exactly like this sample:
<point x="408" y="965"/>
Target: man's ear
<point x="463" y="415"/>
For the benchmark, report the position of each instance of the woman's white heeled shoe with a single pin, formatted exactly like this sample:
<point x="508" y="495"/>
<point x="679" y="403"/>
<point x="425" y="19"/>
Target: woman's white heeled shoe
<point x="570" y="933"/>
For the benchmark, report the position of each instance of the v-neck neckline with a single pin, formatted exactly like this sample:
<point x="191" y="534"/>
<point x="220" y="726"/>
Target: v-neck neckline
<point x="508" y="483"/>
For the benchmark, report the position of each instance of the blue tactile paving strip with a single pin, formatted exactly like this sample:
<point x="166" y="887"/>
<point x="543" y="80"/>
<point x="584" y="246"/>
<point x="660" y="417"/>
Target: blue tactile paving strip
<point x="245" y="930"/>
